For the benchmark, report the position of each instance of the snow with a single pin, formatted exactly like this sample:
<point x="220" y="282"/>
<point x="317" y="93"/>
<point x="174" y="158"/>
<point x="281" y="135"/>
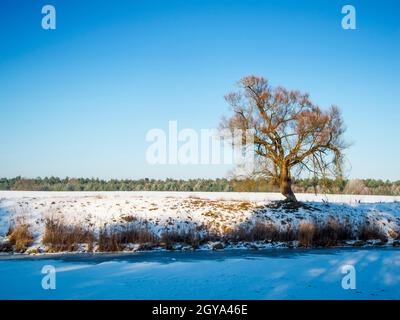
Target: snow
<point x="270" y="274"/>
<point x="182" y="210"/>
<point x="251" y="196"/>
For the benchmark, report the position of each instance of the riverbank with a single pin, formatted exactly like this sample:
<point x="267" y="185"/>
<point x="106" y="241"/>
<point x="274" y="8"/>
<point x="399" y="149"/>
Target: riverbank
<point x="48" y="222"/>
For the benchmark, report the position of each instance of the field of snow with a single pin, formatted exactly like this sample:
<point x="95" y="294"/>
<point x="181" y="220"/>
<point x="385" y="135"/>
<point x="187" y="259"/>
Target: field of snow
<point x="239" y="274"/>
<point x="182" y="210"/>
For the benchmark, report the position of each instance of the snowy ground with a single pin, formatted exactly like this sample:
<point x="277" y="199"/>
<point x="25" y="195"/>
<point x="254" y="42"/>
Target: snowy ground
<point x="271" y="274"/>
<point x="182" y="210"/>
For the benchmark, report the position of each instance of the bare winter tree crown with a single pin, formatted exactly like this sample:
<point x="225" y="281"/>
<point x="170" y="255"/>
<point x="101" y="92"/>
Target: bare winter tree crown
<point x="291" y="134"/>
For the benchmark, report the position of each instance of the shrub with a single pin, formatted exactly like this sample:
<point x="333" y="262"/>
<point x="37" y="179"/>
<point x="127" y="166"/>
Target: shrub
<point x="356" y="186"/>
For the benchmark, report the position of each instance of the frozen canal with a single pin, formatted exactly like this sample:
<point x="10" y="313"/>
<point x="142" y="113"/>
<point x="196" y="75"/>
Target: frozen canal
<point x="274" y="274"/>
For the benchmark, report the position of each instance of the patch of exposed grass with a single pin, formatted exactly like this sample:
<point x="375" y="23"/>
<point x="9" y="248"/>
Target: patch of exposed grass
<point x="128" y="218"/>
<point x="394" y="234"/>
<point x="224" y="205"/>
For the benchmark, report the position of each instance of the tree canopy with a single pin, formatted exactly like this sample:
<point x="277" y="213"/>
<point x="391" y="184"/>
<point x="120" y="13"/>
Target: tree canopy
<point x="292" y="135"/>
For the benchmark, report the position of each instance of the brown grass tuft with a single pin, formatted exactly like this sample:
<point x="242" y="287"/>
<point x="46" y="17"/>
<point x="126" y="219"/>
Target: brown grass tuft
<point x="262" y="231"/>
<point x="6" y="246"/>
<point x="60" y="237"/>
<point x="306" y="234"/>
<point x="20" y="236"/>
<point x="191" y="237"/>
<point x="108" y="241"/>
<point x="331" y="233"/>
<point x="371" y="231"/>
<point x="394" y="234"/>
<point x="116" y="239"/>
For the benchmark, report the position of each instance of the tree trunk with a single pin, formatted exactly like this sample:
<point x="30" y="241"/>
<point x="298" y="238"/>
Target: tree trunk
<point x="286" y="185"/>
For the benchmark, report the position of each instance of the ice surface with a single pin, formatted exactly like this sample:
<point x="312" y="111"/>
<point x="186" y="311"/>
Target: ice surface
<point x="271" y="274"/>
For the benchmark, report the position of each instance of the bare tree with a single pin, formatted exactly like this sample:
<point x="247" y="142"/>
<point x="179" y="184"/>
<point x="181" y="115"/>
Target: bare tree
<point x="291" y="134"/>
<point x="356" y="186"/>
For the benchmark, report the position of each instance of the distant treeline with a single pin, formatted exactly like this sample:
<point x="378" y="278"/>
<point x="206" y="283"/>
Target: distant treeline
<point x="366" y="186"/>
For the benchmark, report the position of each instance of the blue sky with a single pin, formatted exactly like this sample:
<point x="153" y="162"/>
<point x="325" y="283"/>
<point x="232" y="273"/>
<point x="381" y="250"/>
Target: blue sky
<point x="78" y="100"/>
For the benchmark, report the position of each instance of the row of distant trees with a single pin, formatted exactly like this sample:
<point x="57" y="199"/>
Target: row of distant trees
<point x="366" y="186"/>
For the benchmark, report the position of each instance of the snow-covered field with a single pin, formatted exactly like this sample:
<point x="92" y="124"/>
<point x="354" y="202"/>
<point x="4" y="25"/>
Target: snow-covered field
<point x="182" y="210"/>
<point x="239" y="274"/>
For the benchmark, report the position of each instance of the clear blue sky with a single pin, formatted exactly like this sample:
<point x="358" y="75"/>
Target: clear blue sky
<point x="78" y="100"/>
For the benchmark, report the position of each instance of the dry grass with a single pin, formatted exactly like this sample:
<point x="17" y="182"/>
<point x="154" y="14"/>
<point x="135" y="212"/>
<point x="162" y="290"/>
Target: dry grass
<point x="128" y="218"/>
<point x="371" y="231"/>
<point x="309" y="234"/>
<point x="394" y="234"/>
<point x="191" y="237"/>
<point x="6" y="246"/>
<point x="324" y="234"/>
<point x="60" y="237"/>
<point x="306" y="234"/>
<point x="288" y="234"/>
<point x="20" y="236"/>
<point x="137" y="233"/>
<point x="261" y="231"/>
<point x="108" y="241"/>
<point x="331" y="233"/>
<point x="117" y="238"/>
